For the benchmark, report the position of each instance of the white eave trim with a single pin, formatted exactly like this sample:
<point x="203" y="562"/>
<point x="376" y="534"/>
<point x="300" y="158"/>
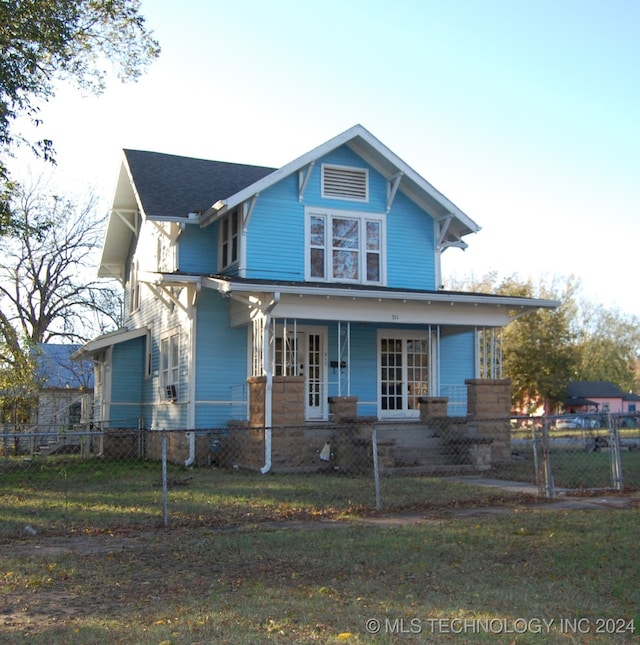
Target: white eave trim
<point x="107" y="340"/>
<point x="357" y="131"/>
<point x="508" y="302"/>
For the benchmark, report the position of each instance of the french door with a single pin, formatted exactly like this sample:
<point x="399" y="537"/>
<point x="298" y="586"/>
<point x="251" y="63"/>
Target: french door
<point x="302" y="353"/>
<point x="403" y="373"/>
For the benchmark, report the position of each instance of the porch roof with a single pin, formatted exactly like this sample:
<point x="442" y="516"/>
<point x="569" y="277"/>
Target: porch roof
<point x="107" y="340"/>
<point x="370" y="304"/>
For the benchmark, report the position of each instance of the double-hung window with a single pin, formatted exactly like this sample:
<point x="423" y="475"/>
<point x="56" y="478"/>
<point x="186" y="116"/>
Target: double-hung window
<point x="229" y="228"/>
<point x="345" y="247"/>
<point x="170" y="359"/>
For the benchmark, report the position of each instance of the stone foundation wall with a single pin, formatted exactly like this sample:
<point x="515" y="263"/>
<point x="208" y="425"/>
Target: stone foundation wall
<point x="287" y="401"/>
<point x="489" y="409"/>
<point x="178" y="446"/>
<point x="343" y="408"/>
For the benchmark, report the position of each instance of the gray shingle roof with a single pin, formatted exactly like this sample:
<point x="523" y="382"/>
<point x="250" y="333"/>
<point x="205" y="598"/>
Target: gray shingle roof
<point x="594" y="389"/>
<point x="173" y="186"/>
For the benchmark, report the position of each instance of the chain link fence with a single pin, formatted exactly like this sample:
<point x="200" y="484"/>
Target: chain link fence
<point x="98" y="479"/>
<point x="576" y="453"/>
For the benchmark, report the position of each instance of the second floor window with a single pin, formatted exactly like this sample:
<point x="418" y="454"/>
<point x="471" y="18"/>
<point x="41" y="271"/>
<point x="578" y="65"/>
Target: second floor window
<point x="345" y="247"/>
<point x="229" y="227"/>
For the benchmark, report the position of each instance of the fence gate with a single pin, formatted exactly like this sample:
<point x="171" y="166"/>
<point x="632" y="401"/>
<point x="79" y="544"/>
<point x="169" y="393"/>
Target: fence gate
<point x="581" y="458"/>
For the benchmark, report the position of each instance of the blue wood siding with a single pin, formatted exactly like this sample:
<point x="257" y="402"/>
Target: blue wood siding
<point x="364" y="368"/>
<point x="410" y="246"/>
<point x="276" y="234"/>
<point x="198" y="249"/>
<point x="275" y="241"/>
<point x="221" y="363"/>
<point x="126" y="384"/>
<point x="457" y="363"/>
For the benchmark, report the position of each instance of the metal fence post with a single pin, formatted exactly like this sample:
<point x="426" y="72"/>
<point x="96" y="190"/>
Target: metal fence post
<point x="376" y="467"/>
<point x="544" y="462"/>
<point x="616" y="457"/>
<point x="165" y="508"/>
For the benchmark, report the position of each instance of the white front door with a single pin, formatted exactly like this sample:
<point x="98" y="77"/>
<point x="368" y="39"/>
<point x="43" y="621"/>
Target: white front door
<point x="403" y="373"/>
<point x="303" y="353"/>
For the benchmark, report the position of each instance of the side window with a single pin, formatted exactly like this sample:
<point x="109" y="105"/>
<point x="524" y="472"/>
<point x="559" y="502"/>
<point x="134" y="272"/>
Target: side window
<point x="134" y="288"/>
<point x="170" y="365"/>
<point x="229" y="228"/>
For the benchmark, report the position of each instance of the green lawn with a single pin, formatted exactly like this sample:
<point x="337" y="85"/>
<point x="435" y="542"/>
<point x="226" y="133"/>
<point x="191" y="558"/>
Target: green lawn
<point x="523" y="577"/>
<point x="70" y="496"/>
<point x="100" y="570"/>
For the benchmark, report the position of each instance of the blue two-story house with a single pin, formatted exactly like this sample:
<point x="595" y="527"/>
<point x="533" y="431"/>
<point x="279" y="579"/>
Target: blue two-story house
<point x="326" y="269"/>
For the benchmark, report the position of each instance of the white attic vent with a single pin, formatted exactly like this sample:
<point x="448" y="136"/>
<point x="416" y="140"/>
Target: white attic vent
<point x="344" y="182"/>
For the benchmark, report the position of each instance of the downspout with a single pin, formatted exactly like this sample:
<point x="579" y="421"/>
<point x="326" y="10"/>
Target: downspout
<point x="266" y="366"/>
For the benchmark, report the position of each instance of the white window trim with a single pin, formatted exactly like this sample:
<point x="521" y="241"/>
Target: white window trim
<point x="234" y="261"/>
<point x="363" y="218"/>
<point x="344" y="197"/>
<point x="134" y="288"/>
<point x="433" y="367"/>
<point x="170" y="375"/>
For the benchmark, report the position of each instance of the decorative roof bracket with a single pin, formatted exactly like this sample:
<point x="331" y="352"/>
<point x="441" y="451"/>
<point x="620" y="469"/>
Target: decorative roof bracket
<point x="248" y="211"/>
<point x="133" y="226"/>
<point x="443" y="230"/>
<point x="392" y="188"/>
<point x="304" y="174"/>
<point x="166" y="296"/>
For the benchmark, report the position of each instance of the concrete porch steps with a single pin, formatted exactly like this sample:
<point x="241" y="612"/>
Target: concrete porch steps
<point x="411" y="445"/>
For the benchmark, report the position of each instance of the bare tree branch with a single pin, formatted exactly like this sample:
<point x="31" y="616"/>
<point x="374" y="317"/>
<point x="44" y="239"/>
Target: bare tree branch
<point x="48" y="288"/>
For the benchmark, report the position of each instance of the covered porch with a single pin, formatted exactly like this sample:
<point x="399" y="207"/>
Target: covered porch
<point x="386" y="348"/>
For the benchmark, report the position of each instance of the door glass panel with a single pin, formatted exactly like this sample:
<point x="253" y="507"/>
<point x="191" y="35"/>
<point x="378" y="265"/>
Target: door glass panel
<point x="314" y="382"/>
<point x="391" y="373"/>
<point x="404" y="373"/>
<point x="417" y="372"/>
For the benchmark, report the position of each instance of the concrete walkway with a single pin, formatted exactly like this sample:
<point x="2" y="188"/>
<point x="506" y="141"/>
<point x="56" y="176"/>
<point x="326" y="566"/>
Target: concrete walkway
<point x="562" y="500"/>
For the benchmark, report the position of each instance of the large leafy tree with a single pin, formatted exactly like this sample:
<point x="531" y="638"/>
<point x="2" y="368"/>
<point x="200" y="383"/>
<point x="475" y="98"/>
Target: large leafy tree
<point x="43" y="41"/>
<point x="608" y="344"/>
<point x="540" y="354"/>
<point x="546" y="349"/>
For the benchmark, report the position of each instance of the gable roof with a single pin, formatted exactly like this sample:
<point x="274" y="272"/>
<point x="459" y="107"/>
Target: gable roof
<point x="170" y="186"/>
<point x="165" y="187"/>
<point x="364" y="144"/>
<point x="594" y="390"/>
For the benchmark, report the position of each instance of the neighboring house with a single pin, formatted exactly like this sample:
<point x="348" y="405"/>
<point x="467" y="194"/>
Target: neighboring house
<point x="599" y="396"/>
<point x="66" y="387"/>
<point x="325" y="272"/>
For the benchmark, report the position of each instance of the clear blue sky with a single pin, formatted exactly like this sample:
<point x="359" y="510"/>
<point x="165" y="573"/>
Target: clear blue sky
<point x="525" y="113"/>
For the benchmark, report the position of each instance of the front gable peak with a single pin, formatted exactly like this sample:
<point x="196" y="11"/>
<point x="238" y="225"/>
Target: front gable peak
<point x="452" y="222"/>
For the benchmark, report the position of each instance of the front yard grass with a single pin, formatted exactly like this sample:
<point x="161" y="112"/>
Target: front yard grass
<point x="521" y="577"/>
<point x="72" y="496"/>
